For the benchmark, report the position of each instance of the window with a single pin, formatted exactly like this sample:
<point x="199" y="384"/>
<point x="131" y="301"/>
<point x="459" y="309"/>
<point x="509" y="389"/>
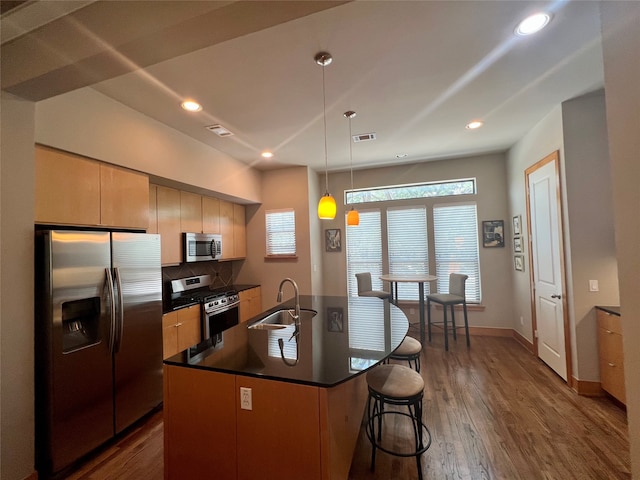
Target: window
<point x="281" y="232"/>
<point x="465" y="186"/>
<point x="456" y="246"/>
<point x="407" y="246"/>
<point x="364" y="251"/>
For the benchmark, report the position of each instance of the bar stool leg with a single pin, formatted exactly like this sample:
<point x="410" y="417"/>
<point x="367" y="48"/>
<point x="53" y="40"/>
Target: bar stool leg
<point x="466" y="322"/>
<point x="429" y="318"/>
<point x="446" y="330"/>
<point x="453" y="322"/>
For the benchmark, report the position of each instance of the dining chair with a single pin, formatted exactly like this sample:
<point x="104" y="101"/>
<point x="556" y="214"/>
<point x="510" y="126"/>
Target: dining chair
<point x="365" y="289"/>
<point x="456" y="296"/>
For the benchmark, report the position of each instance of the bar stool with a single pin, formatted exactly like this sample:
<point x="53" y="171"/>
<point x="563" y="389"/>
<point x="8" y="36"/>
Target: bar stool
<point x="396" y="385"/>
<point x="456" y="296"/>
<point x="409" y="351"/>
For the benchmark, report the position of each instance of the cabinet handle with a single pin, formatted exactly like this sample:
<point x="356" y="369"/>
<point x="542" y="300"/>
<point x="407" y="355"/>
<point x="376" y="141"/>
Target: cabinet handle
<point x="612" y="364"/>
<point x="178" y="324"/>
<point x="608" y="331"/>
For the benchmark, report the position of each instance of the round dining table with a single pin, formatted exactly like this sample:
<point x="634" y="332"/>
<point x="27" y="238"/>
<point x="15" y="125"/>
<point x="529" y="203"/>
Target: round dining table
<point x="420" y="279"/>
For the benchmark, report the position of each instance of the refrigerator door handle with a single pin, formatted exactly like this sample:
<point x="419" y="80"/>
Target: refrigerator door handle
<point x="112" y="313"/>
<point x="121" y="308"/>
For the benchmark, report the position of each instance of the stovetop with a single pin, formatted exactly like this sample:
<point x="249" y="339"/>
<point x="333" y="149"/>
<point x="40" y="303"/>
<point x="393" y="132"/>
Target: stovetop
<point x="194" y="297"/>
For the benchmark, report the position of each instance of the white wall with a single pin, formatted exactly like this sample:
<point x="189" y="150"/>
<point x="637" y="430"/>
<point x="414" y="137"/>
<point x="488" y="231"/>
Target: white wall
<point x="621" y="44"/>
<point x="16" y="289"/>
<point x="89" y="123"/>
<point x="543" y="139"/>
<point x="592" y="249"/>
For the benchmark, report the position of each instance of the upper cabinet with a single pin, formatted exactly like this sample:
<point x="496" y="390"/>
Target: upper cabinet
<point x="70" y="189"/>
<point x="178" y="211"/>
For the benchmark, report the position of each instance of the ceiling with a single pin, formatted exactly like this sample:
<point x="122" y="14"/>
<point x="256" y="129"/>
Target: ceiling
<point x="415" y="72"/>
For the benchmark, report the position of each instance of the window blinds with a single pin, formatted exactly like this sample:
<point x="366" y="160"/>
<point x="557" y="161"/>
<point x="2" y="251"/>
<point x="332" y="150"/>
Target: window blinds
<point x="281" y="232"/>
<point x="364" y="251"/>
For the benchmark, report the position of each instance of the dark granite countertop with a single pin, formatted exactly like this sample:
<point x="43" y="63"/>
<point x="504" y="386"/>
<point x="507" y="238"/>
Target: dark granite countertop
<point x="346" y="337"/>
<point x="614" y="310"/>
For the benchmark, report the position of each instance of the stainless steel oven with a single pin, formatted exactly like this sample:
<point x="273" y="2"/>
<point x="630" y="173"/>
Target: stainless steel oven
<point x="219" y="313"/>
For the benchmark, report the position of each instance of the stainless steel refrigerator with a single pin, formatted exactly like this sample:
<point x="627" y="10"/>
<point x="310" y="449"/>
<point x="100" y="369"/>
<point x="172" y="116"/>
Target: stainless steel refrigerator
<point x="98" y="339"/>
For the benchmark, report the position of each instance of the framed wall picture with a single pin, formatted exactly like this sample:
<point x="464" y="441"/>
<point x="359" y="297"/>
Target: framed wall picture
<point x="335" y="317"/>
<point x="332" y="240"/>
<point x="493" y="233"/>
<point x="517" y="244"/>
<point x="518" y="263"/>
<point x="517" y="225"/>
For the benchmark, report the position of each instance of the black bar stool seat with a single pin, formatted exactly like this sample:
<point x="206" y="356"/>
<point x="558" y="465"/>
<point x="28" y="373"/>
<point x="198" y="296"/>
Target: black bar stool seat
<point x="398" y="385"/>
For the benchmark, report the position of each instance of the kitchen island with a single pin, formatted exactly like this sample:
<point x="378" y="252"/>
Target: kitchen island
<point x="256" y="407"/>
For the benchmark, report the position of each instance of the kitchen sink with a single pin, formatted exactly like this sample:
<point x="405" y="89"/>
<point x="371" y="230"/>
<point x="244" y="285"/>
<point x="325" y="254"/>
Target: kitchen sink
<point x="281" y="319"/>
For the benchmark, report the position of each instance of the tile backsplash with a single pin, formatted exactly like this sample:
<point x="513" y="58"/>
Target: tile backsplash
<point x="221" y="273"/>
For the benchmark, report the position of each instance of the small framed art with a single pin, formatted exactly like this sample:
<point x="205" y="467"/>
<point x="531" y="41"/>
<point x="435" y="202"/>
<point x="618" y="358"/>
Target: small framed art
<point x="518" y="263"/>
<point x="517" y="244"/>
<point x="517" y="225"/>
<point x="493" y="233"/>
<point x="332" y="240"/>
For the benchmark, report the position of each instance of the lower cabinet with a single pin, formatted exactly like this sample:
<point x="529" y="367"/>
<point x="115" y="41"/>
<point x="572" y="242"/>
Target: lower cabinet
<point x="610" y="354"/>
<point x="250" y="303"/>
<point x="180" y="330"/>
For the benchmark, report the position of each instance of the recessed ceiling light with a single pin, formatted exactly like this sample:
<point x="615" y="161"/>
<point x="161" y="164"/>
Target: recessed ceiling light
<point x="191" y="106"/>
<point x="473" y="125"/>
<point x="266" y="154"/>
<point x="533" y="23"/>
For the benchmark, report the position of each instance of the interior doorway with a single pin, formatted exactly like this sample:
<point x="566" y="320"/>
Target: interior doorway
<point x="546" y="261"/>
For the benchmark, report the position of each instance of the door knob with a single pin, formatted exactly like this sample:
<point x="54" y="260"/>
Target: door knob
<point x="556" y="296"/>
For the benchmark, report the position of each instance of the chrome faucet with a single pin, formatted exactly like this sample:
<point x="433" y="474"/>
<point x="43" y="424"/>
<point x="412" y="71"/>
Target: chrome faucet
<point x="296" y="315"/>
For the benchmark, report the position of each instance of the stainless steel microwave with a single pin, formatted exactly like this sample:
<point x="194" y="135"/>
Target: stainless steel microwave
<point x="200" y="247"/>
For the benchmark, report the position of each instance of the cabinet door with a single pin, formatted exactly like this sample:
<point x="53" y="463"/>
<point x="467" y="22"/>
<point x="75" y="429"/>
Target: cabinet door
<point x="239" y="231"/>
<point x="153" y="210"/>
<point x="169" y="334"/>
<point x="67" y="188"/>
<point x="250" y="303"/>
<point x="124" y="198"/>
<point x="189" y="327"/>
<point x="168" y="201"/>
<point x="611" y="363"/>
<point x="226" y="229"/>
<point x="210" y="215"/>
<point x="190" y="212"/>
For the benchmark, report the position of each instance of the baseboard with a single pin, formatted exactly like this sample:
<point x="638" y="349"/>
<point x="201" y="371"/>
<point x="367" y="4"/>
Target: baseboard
<point x="586" y="388"/>
<point x="523" y="341"/>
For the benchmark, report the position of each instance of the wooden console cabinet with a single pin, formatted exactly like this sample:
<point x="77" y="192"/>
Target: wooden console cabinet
<point x="611" y="355"/>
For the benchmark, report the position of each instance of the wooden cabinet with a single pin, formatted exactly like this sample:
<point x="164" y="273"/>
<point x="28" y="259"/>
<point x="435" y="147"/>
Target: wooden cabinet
<point x="124" y="197"/>
<point x="180" y="330"/>
<point x="210" y="215"/>
<point x="611" y="355"/>
<point x="239" y="231"/>
<point x="190" y="212"/>
<point x="233" y="230"/>
<point x="67" y="188"/>
<point x="153" y="209"/>
<point x="250" y="303"/>
<point x="70" y="189"/>
<point x="168" y="208"/>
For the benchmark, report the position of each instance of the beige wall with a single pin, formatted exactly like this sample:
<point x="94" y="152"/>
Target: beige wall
<point x="621" y="45"/>
<point x="88" y="123"/>
<point x="495" y="263"/>
<point x="285" y="188"/>
<point x="16" y="288"/>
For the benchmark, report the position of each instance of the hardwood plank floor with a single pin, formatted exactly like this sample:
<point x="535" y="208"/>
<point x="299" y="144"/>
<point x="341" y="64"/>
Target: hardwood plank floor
<point x="494" y="411"/>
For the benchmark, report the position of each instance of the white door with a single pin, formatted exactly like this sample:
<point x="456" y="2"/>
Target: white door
<point x="547" y="263"/>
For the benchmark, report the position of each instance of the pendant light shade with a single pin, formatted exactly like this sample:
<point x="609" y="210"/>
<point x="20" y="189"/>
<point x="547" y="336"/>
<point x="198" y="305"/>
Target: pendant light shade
<point x="327" y="204"/>
<point x="353" y="217"/>
<point x="327" y="207"/>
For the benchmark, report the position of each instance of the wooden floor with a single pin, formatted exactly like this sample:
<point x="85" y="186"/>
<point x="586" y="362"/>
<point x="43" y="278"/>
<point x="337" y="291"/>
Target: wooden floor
<point x="494" y="411"/>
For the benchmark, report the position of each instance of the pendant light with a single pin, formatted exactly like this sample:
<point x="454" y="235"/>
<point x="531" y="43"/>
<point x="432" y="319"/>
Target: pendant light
<point x="353" y="217"/>
<point x="327" y="204"/>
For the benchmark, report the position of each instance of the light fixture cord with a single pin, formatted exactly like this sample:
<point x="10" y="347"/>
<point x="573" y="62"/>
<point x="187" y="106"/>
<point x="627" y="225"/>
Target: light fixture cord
<point x="350" y="151"/>
<point x="324" y="114"/>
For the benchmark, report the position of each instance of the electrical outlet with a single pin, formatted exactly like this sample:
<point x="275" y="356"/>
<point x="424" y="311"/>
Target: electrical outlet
<point x="245" y="399"/>
<point x="593" y="286"/>
<point x="521" y="320"/>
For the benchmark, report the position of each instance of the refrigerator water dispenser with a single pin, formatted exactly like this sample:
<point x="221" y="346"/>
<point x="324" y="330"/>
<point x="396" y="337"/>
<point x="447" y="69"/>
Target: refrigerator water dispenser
<point x="80" y="324"/>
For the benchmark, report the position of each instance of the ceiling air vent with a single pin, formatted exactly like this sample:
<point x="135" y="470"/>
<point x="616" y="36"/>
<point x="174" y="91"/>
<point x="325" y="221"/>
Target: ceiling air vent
<point x="364" y="137"/>
<point x="219" y="130"/>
